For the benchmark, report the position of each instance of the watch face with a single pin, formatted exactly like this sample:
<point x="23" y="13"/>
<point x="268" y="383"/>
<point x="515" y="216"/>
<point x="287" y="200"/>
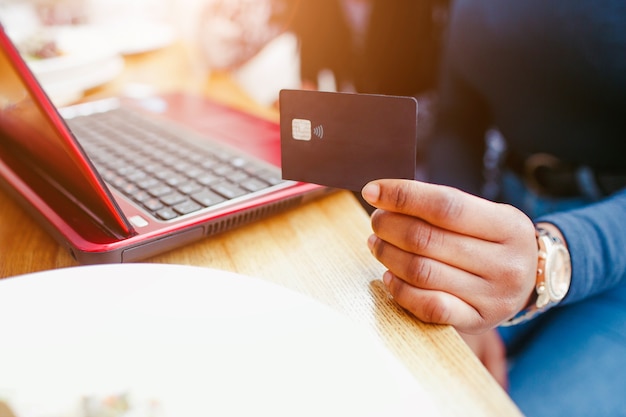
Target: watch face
<point x="558" y="273"/>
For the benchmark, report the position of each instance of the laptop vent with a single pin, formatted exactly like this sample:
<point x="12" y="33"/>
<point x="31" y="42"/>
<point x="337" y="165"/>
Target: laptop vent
<point x="251" y="216"/>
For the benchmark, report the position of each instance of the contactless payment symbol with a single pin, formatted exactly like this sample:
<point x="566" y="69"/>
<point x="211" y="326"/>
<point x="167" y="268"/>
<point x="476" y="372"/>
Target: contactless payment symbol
<point x="319" y="131"/>
<point x="301" y="129"/>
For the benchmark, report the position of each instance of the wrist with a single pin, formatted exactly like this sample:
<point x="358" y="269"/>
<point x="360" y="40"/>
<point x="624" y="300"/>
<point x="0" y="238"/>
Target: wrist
<point x="553" y="274"/>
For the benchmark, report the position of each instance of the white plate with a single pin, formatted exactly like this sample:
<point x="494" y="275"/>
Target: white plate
<point x="182" y="340"/>
<point x="89" y="60"/>
<point x="136" y="36"/>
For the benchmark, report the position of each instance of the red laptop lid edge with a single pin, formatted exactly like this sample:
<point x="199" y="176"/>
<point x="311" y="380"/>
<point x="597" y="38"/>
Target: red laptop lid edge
<point x="117" y="222"/>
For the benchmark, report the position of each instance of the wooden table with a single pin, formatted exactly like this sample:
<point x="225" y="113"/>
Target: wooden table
<point x="318" y="249"/>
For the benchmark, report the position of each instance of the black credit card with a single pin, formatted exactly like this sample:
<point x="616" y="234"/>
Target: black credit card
<point x="345" y="140"/>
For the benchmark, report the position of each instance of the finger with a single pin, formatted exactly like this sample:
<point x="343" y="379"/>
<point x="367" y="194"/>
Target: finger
<point x="416" y="236"/>
<point x="433" y="306"/>
<point x="428" y="273"/>
<point x="468" y="268"/>
<point x="508" y="269"/>
<point x="443" y="206"/>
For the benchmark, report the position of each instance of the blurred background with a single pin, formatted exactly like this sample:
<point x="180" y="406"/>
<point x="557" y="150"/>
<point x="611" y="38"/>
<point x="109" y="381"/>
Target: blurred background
<point x="370" y="46"/>
<point x="82" y="42"/>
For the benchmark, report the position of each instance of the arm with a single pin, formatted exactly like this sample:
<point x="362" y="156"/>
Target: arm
<point x="596" y="239"/>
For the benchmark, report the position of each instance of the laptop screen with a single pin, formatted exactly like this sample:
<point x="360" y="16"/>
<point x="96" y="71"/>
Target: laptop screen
<point x="32" y="130"/>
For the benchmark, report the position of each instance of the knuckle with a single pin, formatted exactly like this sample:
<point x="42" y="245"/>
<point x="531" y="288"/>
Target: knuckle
<point x="435" y="310"/>
<point x="511" y="272"/>
<point x="421" y="272"/>
<point x="517" y="223"/>
<point x="420" y="236"/>
<point x="514" y="274"/>
<point x="515" y="281"/>
<point x="399" y="196"/>
<point x="449" y="204"/>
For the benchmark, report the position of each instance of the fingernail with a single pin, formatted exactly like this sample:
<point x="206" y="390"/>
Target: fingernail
<point x="387" y="277"/>
<point x="371" y="241"/>
<point x="371" y="192"/>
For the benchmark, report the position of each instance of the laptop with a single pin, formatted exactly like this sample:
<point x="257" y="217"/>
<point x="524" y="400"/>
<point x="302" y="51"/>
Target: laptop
<point x="120" y="180"/>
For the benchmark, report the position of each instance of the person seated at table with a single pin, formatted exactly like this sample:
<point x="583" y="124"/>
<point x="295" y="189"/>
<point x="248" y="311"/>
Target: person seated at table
<point x="365" y="46"/>
<point x="371" y="46"/>
<point x="546" y="80"/>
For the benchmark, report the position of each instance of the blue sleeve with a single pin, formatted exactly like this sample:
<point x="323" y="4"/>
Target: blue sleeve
<point x="596" y="238"/>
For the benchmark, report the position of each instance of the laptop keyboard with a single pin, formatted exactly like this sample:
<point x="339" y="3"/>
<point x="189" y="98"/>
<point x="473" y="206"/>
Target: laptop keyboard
<point x="162" y="171"/>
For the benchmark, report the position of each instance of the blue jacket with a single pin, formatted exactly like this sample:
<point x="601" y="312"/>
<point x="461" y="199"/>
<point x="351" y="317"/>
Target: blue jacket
<point x="551" y="76"/>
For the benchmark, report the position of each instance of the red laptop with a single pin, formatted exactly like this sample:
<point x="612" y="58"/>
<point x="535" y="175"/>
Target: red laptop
<point x="117" y="181"/>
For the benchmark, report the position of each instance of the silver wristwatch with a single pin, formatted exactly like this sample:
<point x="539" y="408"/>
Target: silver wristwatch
<point x="554" y="275"/>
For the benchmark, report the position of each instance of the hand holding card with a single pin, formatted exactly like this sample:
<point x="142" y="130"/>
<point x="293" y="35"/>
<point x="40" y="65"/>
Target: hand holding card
<point x="345" y="140"/>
